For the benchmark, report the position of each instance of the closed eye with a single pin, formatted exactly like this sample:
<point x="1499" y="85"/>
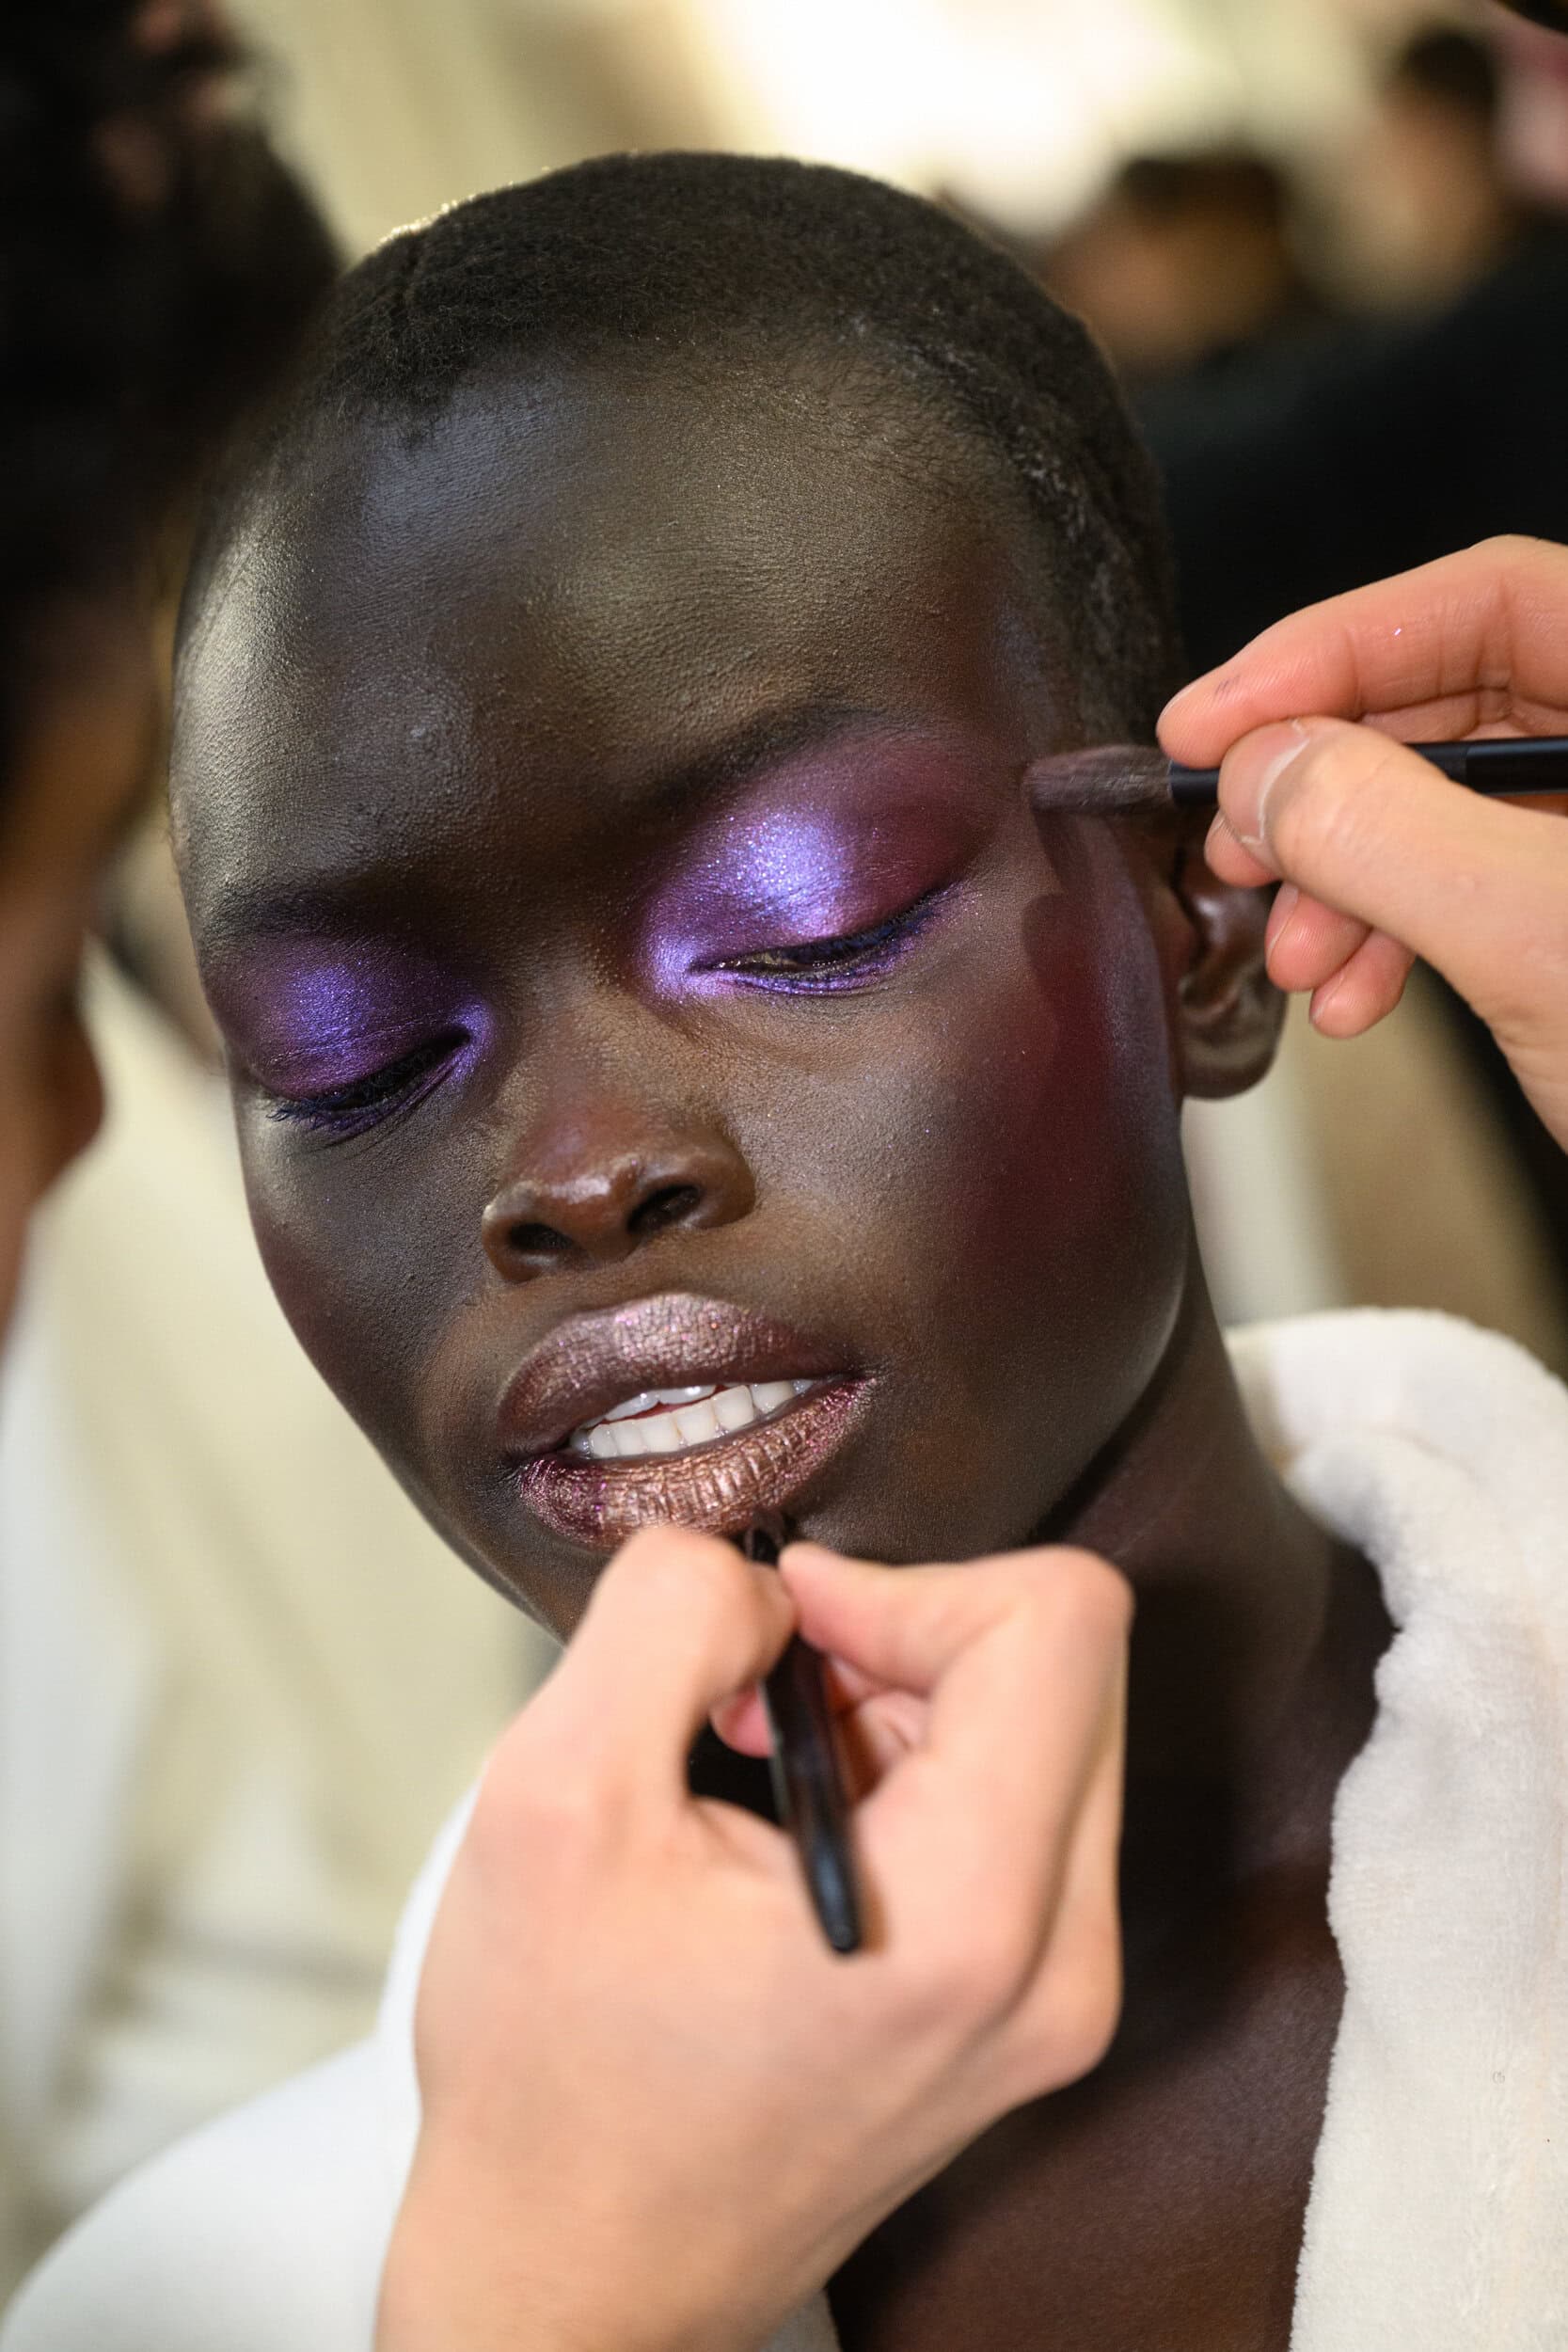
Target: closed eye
<point x="349" y="1110"/>
<point x="843" y="960"/>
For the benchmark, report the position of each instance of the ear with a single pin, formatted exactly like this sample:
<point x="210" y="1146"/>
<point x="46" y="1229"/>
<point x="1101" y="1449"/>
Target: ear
<point x="1229" y="1014"/>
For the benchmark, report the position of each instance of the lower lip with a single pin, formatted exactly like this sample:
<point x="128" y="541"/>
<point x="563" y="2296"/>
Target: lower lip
<point x="720" y="1486"/>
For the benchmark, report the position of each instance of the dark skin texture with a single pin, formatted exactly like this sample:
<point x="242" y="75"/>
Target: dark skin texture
<point x="478" y="740"/>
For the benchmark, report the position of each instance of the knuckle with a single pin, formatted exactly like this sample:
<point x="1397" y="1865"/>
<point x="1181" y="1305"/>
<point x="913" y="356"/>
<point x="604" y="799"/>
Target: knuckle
<point x="1069" y="2030"/>
<point x="977" y="1977"/>
<point x="1100" y="1591"/>
<point x="1083" y="2025"/>
<point x="1072" y="1594"/>
<point x="1508" y="548"/>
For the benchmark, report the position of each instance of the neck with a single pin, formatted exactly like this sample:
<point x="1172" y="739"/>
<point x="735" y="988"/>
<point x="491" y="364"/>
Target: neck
<point x="1255" y="1634"/>
<point x="1249" y="1688"/>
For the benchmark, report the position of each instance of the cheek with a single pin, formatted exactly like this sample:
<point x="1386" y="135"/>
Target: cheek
<point x="362" y="1259"/>
<point x="1042" y="1175"/>
<point x="1053" y="1116"/>
<point x="1076" y="1093"/>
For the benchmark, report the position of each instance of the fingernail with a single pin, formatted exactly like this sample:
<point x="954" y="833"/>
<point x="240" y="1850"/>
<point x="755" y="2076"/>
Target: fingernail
<point x="1283" y="916"/>
<point x="802" y="1547"/>
<point x="1251" y="774"/>
<point x="1182" y="694"/>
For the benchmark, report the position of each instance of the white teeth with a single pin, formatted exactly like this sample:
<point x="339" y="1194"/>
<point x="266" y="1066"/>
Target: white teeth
<point x="701" y="1413"/>
<point x="733" y="1408"/>
<point x="647" y="1398"/>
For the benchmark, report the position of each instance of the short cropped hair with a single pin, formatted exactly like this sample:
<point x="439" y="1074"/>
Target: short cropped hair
<point x="670" y="258"/>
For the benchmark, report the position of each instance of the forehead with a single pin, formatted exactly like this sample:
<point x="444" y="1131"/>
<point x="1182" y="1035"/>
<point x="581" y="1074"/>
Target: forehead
<point x="562" y="589"/>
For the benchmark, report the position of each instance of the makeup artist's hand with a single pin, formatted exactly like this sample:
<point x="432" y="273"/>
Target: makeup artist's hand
<point x="1383" y="859"/>
<point x="658" y="2112"/>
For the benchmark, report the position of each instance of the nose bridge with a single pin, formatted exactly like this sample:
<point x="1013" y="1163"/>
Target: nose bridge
<point x="614" y="1144"/>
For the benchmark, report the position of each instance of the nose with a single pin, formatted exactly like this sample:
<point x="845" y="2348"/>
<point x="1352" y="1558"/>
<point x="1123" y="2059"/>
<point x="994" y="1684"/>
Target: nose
<point x="598" y="1193"/>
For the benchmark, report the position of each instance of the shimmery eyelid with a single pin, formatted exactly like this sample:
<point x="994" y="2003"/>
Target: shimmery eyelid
<point x="880" y="945"/>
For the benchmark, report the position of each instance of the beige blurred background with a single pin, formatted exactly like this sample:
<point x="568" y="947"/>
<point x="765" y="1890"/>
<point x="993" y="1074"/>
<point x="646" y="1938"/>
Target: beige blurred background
<point x="290" y="1682"/>
<point x="1019" y="109"/>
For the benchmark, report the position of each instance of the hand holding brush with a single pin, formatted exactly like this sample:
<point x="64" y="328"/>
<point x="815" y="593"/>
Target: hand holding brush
<point x="1324" y="731"/>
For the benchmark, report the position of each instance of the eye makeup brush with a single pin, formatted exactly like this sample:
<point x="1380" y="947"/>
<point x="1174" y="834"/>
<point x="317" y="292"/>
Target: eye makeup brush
<point x="808" y="1785"/>
<point x="1135" y="779"/>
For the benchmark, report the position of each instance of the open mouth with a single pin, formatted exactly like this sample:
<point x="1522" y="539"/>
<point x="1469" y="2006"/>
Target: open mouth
<point x="679" y="1464"/>
<point x="676" y="1410"/>
<point x="673" y="1420"/>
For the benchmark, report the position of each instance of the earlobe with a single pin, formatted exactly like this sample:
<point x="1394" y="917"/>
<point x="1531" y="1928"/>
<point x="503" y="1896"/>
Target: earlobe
<point x="1228" y="1012"/>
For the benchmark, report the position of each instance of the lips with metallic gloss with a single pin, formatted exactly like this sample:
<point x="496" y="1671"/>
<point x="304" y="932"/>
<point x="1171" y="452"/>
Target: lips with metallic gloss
<point x="721" y="1486"/>
<point x="587" y="1371"/>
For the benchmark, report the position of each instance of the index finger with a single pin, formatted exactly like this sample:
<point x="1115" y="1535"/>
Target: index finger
<point x="1474" y="641"/>
<point x="1015" y="1648"/>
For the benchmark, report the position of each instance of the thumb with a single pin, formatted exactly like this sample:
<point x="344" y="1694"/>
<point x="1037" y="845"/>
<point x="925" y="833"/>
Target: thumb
<point x="1476" y="887"/>
<point x="678" y="1621"/>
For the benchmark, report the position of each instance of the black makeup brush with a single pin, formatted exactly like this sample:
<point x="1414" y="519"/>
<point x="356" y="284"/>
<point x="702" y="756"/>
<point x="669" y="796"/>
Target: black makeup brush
<point x="808" y="1786"/>
<point x="1135" y="779"/>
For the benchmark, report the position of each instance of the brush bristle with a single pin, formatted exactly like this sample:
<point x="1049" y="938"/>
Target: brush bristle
<point x="1101" y="780"/>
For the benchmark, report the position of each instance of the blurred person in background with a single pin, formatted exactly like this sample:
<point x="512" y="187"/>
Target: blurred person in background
<point x="1184" y="262"/>
<point x="1425" y="203"/>
<point x="234" y="1703"/>
<point x="1304" y="471"/>
<point x="1310" y="469"/>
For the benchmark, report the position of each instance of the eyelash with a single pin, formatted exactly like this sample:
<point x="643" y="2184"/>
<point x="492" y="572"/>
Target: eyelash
<point x="822" y="967"/>
<point x="366" y="1100"/>
<point x="817" y="967"/>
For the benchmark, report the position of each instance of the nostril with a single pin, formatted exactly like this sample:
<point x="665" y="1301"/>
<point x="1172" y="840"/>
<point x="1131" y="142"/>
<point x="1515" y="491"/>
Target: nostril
<point x="670" y="1205"/>
<point x="536" y="1241"/>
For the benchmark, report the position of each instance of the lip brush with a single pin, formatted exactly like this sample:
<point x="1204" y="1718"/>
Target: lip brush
<point x="808" y="1785"/>
<point x="1133" y="779"/>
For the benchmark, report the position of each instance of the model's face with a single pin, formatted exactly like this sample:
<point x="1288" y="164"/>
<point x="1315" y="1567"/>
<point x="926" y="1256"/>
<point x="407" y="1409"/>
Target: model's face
<point x="603" y="832"/>
<point x="79" y="771"/>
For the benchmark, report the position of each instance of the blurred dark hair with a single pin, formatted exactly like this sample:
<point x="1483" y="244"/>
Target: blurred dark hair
<point x="1451" y="67"/>
<point x="1232" y="181"/>
<point x="156" y="264"/>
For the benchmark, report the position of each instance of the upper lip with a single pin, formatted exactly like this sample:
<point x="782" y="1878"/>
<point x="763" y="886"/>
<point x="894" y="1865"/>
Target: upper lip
<point x="592" y="1361"/>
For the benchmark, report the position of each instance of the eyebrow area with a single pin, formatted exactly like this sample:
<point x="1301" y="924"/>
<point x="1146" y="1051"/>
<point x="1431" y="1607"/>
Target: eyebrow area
<point x="339" y="903"/>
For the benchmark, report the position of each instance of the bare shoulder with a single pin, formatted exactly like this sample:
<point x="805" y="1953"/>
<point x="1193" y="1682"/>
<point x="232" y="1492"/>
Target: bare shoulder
<point x="262" y="2232"/>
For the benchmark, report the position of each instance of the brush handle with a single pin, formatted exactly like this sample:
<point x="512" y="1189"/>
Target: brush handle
<point x="1497" y="765"/>
<point x="808" y="1791"/>
<point x="808" y="1786"/>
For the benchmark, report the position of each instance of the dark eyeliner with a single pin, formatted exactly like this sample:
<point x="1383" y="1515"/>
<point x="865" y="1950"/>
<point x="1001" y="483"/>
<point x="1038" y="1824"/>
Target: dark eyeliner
<point x="355" y="1105"/>
<point x="820" y="966"/>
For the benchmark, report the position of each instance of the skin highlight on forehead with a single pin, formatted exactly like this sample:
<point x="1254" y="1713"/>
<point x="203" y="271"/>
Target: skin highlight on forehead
<point x="560" y="523"/>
